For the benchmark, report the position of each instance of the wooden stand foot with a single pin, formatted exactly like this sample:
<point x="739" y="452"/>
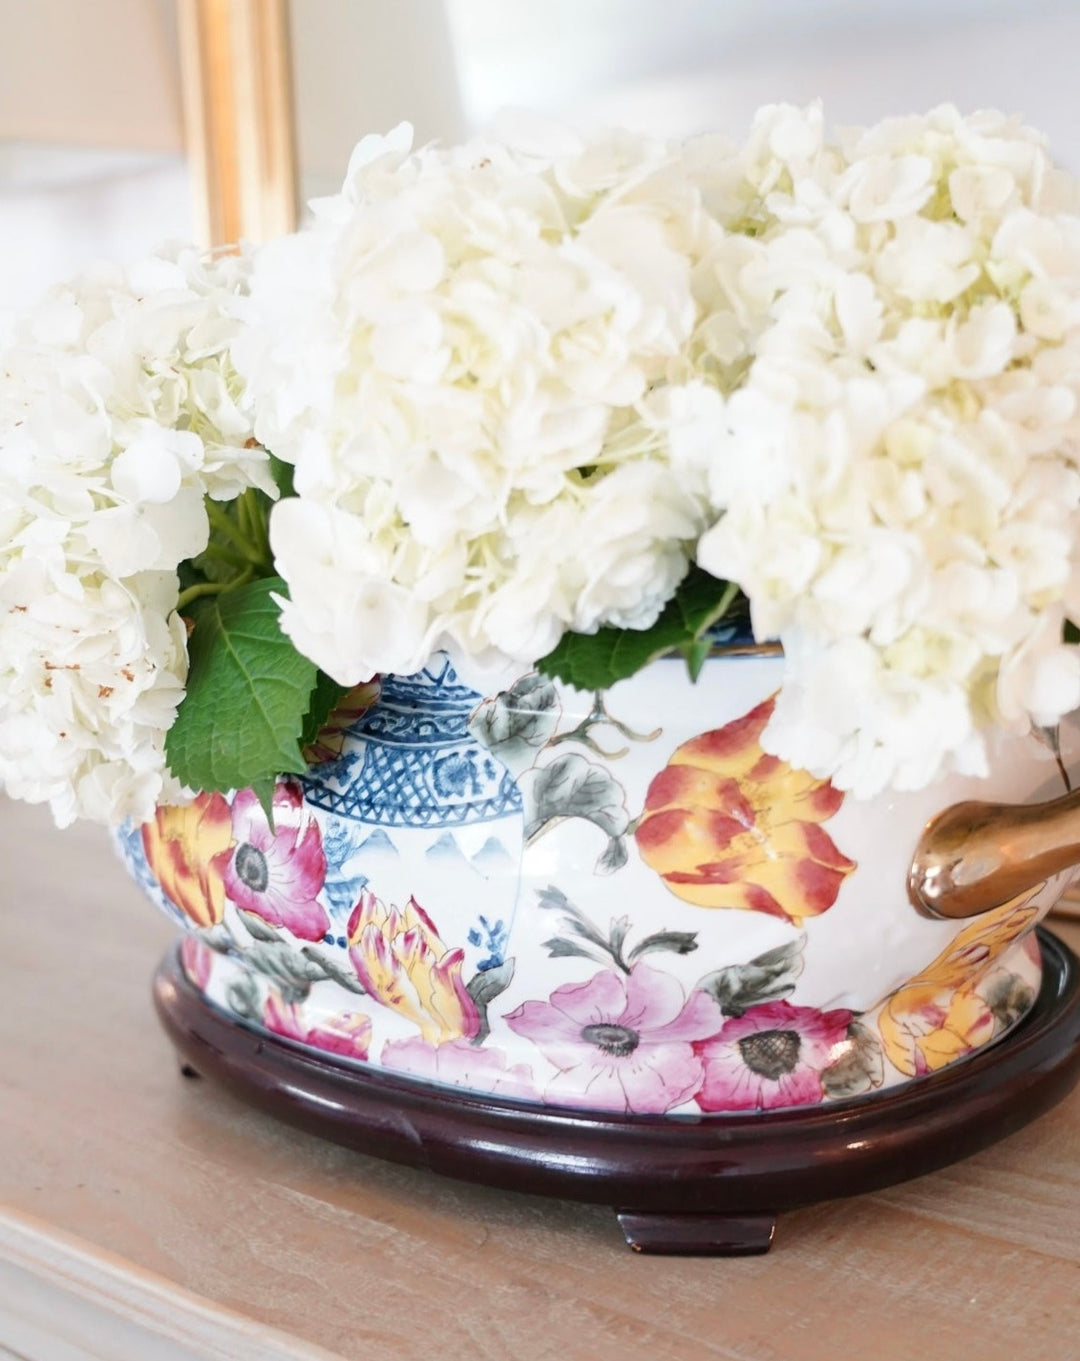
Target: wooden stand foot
<point x="697" y="1235"/>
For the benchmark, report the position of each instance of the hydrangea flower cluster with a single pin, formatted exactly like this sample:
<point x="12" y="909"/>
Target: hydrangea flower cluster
<point x="895" y="472"/>
<point x="464" y="361"/>
<point x="524" y="386"/>
<point x="118" y="415"/>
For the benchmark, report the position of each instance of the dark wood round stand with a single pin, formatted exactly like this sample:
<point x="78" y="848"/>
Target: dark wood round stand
<point x="688" y="1184"/>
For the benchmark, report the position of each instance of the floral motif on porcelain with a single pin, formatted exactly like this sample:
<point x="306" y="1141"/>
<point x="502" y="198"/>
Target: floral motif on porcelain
<point x="614" y="901"/>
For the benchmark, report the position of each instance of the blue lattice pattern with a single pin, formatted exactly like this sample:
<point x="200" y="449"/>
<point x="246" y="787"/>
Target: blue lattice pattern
<point x="411" y="760"/>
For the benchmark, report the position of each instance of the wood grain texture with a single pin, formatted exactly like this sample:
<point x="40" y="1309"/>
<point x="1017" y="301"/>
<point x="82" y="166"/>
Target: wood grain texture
<point x="100" y="1138"/>
<point x="65" y="1300"/>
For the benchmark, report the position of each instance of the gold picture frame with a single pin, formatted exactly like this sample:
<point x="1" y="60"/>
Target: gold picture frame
<point x="239" y="122"/>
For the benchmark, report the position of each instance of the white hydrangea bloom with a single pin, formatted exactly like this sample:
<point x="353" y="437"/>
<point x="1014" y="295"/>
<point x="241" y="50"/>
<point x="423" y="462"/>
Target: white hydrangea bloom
<point x="525" y="382"/>
<point x="462" y="360"/>
<point x="895" y="468"/>
<point x="118" y="413"/>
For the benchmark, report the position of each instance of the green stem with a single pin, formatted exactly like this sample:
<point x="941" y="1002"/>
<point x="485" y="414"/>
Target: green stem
<point x="196" y="592"/>
<point x="246" y="519"/>
<point x="221" y="554"/>
<point x="221" y="521"/>
<point x="263" y="519"/>
<point x="205" y="588"/>
<point x="260" y="526"/>
<point x="253" y="522"/>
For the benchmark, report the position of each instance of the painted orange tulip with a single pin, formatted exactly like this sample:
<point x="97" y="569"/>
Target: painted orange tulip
<point x="180" y="845"/>
<point x="727" y="825"/>
<point x="941" y="1014"/>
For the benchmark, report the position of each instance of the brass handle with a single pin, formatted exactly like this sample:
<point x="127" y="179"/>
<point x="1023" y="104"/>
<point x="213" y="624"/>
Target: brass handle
<point x="975" y="856"/>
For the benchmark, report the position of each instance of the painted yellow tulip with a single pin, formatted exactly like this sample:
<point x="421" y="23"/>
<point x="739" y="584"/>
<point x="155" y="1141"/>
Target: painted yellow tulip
<point x="403" y="964"/>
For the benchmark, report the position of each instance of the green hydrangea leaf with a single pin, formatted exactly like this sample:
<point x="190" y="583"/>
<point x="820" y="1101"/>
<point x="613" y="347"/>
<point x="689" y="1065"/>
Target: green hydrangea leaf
<point x="696" y="655"/>
<point x="325" y="696"/>
<point x="248" y="691"/>
<point x="263" y="789"/>
<point x="595" y="661"/>
<point x="282" y="473"/>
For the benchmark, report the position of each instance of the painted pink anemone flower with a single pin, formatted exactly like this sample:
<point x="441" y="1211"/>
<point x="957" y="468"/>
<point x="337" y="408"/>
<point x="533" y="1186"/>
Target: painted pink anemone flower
<point x="347" y="1034"/>
<point x="278" y="874"/>
<point x="461" y="1064"/>
<point x="773" y="1055"/>
<point x="621" y="1042"/>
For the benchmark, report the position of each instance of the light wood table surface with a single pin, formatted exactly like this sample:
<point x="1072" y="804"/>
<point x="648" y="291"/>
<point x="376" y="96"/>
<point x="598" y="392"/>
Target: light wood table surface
<point x="220" y="1233"/>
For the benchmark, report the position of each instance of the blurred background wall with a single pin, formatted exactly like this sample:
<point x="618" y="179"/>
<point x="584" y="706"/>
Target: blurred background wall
<point x="91" y="157"/>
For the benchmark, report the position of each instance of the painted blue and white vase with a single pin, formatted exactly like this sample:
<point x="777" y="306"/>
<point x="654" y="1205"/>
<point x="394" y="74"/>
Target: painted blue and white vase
<point x="615" y="901"/>
<point x="422" y="809"/>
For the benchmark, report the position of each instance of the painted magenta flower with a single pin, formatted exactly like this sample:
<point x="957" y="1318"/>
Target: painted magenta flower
<point x="773" y="1055"/>
<point x="727" y="825"/>
<point x="348" y="1034"/>
<point x="461" y="1064"/>
<point x="198" y="961"/>
<point x="403" y="964"/>
<point x="182" y="846"/>
<point x="943" y="1013"/>
<point x="621" y="1041"/>
<point x="277" y="873"/>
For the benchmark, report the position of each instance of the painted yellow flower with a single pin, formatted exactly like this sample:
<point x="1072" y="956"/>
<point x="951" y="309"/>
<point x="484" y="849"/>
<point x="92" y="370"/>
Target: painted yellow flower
<point x="941" y="1015"/>
<point x="402" y="963"/>
<point x="727" y="825"/>
<point x="180" y="845"/>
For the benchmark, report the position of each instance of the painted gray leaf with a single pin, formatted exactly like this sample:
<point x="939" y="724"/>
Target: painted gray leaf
<point x="768" y="977"/>
<point x="256" y="927"/>
<point x="581" y="926"/>
<point x="614" y="856"/>
<point x="517" y="723"/>
<point x="617" y="935"/>
<point x="573" y="787"/>
<point x="558" y="947"/>
<point x="217" y="938"/>
<point x="292" y="994"/>
<point x="553" y="899"/>
<point x="244" y="996"/>
<point x="330" y="968"/>
<point x="678" y="942"/>
<point x="483" y="988"/>
<point x="860" y="1069"/>
<point x="1008" y="997"/>
<point x="291" y="972"/>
